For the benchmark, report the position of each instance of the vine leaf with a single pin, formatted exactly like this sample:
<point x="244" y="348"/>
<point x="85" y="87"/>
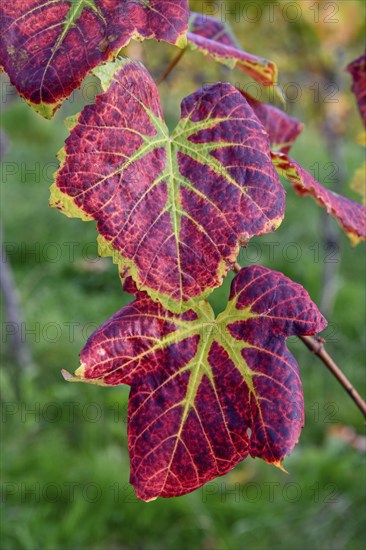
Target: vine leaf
<point x="48" y="46"/>
<point x="350" y="215"/>
<point x="282" y="129"/>
<point x="171" y="209"/>
<point x="358" y="71"/>
<point x="215" y="38"/>
<point x="198" y="384"/>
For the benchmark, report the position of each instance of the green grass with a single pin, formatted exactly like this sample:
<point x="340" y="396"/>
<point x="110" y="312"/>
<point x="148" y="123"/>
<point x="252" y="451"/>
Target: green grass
<point x="68" y="443"/>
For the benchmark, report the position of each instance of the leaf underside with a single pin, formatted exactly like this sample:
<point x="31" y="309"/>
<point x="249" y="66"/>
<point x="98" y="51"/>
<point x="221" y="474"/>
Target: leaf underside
<point x="198" y="384"/>
<point x="48" y="46"/>
<point x="171" y="209"/>
<point x="215" y="38"/>
<point x="350" y="215"/>
<point x="358" y="71"/>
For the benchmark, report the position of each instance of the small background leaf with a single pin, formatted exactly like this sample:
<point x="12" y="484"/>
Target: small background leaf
<point x="358" y="71"/>
<point x="282" y="128"/>
<point x="215" y="38"/>
<point x="351" y="215"/>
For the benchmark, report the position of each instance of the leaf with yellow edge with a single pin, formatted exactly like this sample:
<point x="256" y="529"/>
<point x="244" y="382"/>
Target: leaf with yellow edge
<point x="48" y="46"/>
<point x="205" y="392"/>
<point x="172" y="209"/>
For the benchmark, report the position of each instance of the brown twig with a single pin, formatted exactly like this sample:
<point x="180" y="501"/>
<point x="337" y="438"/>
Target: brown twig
<point x="171" y="66"/>
<point x="317" y="347"/>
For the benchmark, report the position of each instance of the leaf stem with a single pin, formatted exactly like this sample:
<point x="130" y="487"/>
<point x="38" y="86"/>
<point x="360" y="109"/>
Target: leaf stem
<point x="171" y="66"/>
<point x="317" y="347"/>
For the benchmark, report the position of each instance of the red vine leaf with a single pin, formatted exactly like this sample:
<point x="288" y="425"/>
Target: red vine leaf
<point x="48" y="46"/>
<point x="171" y="209"/>
<point x="198" y="384"/>
<point x="358" y="71"/>
<point x="215" y="38"/>
<point x="351" y="215"/>
<point x="282" y="129"/>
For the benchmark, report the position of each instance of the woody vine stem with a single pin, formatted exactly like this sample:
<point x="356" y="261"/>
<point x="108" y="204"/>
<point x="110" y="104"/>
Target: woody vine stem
<point x="174" y="62"/>
<point x="317" y="347"/>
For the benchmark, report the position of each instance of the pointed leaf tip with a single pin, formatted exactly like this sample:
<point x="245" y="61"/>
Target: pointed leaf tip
<point x="66" y="375"/>
<point x="279" y="466"/>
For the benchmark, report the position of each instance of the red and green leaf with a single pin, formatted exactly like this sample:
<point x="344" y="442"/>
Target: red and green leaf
<point x="48" y="46"/>
<point x="282" y="129"/>
<point x="215" y="38"/>
<point x="206" y="392"/>
<point x="358" y="71"/>
<point x="171" y="209"/>
<point x="350" y="215"/>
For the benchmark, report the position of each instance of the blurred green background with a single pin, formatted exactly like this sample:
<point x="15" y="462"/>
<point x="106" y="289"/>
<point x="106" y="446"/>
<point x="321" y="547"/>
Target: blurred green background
<point x="65" y="465"/>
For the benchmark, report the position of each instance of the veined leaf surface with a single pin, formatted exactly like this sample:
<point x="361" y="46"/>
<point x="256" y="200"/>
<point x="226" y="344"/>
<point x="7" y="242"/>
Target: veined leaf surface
<point x="215" y="38"/>
<point x="171" y="209"/>
<point x="350" y="215"/>
<point x="198" y="384"/>
<point x="282" y="129"/>
<point x="48" y="46"/>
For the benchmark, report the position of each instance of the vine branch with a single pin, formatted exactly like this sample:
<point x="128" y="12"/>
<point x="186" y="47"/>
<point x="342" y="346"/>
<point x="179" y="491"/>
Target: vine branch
<point x="317" y="347"/>
<point x="174" y="62"/>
